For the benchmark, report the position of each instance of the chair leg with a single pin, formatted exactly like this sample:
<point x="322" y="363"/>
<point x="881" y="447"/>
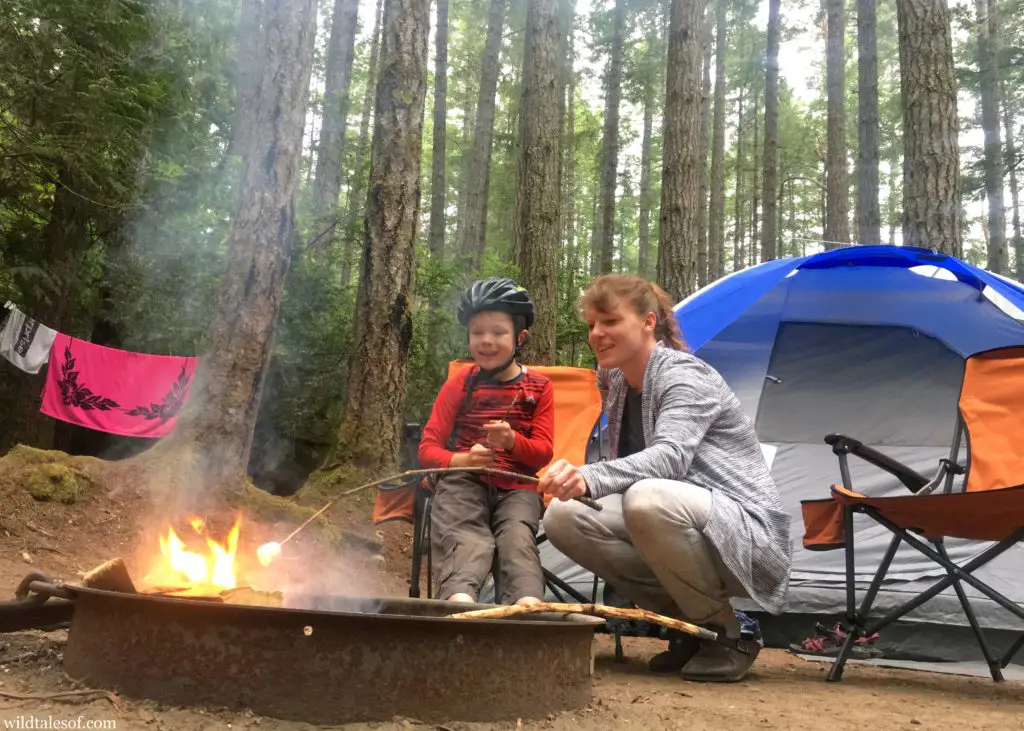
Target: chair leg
<point x="994" y="666"/>
<point x="426" y="546"/>
<point x="418" y="528"/>
<point x="835" y="673"/>
<point x="1013" y="650"/>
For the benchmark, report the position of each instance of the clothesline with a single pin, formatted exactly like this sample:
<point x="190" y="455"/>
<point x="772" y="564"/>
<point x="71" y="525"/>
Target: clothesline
<point x="101" y="388"/>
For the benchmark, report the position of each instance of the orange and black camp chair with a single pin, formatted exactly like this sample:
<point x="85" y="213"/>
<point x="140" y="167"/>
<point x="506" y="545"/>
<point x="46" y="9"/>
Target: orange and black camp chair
<point x="577" y="411"/>
<point x="989" y="507"/>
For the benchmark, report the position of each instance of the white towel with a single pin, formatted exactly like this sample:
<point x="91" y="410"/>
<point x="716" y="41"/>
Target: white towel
<point x="26" y="343"/>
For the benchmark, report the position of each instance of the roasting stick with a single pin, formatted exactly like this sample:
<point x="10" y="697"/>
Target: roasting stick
<point x="598" y="609"/>
<point x="268" y="552"/>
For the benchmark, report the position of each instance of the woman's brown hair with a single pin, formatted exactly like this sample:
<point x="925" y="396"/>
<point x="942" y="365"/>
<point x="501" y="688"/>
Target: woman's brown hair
<point x="606" y="290"/>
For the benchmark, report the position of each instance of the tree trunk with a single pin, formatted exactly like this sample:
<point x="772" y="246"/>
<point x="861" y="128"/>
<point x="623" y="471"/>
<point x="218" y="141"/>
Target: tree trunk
<point x="337" y="78"/>
<point x="370" y="433"/>
<point x="357" y="186"/>
<point x="437" y="177"/>
<point x="988" y="51"/>
<point x="1011" y="166"/>
<point x="569" y="156"/>
<point x="216" y="426"/>
<point x="837" y="226"/>
<point x="932" y="214"/>
<point x="610" y="141"/>
<point x="644" y="224"/>
<point x="473" y="237"/>
<point x="755" y="188"/>
<point x="770" y="182"/>
<point x="716" y="215"/>
<point x="868" y="210"/>
<point x="738" y="233"/>
<point x="249" y="55"/>
<point x="705" y="120"/>
<point x="681" y="163"/>
<point x="535" y="230"/>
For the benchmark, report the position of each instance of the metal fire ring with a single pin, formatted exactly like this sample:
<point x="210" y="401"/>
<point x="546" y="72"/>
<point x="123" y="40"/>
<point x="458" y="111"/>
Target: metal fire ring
<point x="362" y="660"/>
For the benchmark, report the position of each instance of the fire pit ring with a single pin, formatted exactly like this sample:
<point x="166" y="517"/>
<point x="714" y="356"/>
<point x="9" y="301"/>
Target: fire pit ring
<point x="346" y="660"/>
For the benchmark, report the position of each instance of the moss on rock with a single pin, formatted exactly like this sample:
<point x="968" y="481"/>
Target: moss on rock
<point x="55" y="482"/>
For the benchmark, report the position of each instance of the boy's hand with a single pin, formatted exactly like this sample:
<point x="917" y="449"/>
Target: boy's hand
<point x="477" y="456"/>
<point x="500" y="435"/>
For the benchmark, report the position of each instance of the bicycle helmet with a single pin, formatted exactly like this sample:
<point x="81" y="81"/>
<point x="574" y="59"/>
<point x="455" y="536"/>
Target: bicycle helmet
<point x="497" y="294"/>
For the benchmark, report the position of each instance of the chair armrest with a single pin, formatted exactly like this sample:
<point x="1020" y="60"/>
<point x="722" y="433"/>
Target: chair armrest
<point x="842" y="444"/>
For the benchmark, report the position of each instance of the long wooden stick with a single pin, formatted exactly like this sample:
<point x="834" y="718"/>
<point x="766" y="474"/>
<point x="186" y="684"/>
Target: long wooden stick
<point x="590" y="503"/>
<point x="598" y="609"/>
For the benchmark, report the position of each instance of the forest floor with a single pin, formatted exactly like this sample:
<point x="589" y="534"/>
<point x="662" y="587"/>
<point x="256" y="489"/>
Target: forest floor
<point x="65" y="539"/>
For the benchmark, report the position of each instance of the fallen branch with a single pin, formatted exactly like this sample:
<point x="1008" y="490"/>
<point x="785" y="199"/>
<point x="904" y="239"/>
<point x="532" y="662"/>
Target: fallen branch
<point x="600" y="610"/>
<point x="63" y="695"/>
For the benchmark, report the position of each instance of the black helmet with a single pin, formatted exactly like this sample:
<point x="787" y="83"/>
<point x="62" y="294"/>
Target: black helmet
<point x="497" y="294"/>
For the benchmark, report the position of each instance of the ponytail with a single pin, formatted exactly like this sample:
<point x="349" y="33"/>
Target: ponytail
<point x="666" y="329"/>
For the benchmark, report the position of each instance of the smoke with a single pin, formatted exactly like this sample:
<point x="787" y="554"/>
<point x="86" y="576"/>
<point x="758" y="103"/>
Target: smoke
<point x="312" y="575"/>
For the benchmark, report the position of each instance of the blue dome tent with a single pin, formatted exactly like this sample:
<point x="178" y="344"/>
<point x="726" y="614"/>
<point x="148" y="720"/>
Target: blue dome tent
<point x="867" y="341"/>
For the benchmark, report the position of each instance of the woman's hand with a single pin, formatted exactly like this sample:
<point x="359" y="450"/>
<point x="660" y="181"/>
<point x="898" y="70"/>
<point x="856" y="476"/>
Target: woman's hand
<point x="500" y="435"/>
<point x="477" y="456"/>
<point x="563" y="481"/>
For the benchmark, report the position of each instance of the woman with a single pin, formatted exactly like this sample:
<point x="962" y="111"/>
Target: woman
<point x="691" y="516"/>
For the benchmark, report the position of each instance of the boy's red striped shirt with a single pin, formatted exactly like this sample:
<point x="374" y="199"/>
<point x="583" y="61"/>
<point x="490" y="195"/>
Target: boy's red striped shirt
<point x="526" y="403"/>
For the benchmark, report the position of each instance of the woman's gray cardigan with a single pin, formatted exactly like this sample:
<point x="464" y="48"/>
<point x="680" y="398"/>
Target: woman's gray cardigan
<point x="696" y="430"/>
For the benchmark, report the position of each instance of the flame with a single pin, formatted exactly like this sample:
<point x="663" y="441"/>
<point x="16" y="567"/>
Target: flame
<point x="181" y="566"/>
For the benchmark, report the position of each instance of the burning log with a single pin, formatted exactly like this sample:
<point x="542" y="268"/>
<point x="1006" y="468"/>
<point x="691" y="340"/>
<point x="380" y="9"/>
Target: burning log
<point x="253" y="597"/>
<point x="110" y="575"/>
<point x="597" y="609"/>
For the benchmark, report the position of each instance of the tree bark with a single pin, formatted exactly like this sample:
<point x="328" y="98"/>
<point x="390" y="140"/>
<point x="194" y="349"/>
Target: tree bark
<point x="216" y="426"/>
<point x="610" y="141"/>
<point x="357" y="185"/>
<point x="705" y="120"/>
<point x="535" y="230"/>
<point x="770" y="182"/>
<point x="868" y="210"/>
<point x="644" y="224"/>
<point x="988" y="51"/>
<point x="437" y="176"/>
<point x="337" y="78"/>
<point x="716" y="215"/>
<point x="568" y="211"/>
<point x="1011" y="166"/>
<point x="738" y="230"/>
<point x="250" y="56"/>
<point x="681" y="164"/>
<point x="471" y="240"/>
<point x="932" y="214"/>
<point x="370" y="433"/>
<point x="837" y="225"/>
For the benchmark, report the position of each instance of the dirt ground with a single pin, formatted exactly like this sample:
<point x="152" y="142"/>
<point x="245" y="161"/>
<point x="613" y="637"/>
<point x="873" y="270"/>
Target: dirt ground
<point x="782" y="691"/>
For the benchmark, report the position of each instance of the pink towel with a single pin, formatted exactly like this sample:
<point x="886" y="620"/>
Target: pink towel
<point x="115" y="391"/>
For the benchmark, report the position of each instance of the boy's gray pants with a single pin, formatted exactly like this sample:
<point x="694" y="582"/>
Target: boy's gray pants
<point x="469" y="521"/>
<point x="648" y="543"/>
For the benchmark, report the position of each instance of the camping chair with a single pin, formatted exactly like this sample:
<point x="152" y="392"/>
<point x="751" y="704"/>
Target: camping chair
<point x="989" y="507"/>
<point x="577" y="411"/>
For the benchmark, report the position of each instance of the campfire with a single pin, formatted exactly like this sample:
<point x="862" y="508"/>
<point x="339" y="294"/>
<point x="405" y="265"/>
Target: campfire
<point x="205" y="567"/>
<point x="193" y="562"/>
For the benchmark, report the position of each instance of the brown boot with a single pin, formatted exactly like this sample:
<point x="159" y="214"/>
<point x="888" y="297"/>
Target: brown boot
<point x="681" y="648"/>
<point x="726" y="661"/>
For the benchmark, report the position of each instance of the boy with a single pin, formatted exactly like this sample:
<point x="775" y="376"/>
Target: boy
<point x="494" y="414"/>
